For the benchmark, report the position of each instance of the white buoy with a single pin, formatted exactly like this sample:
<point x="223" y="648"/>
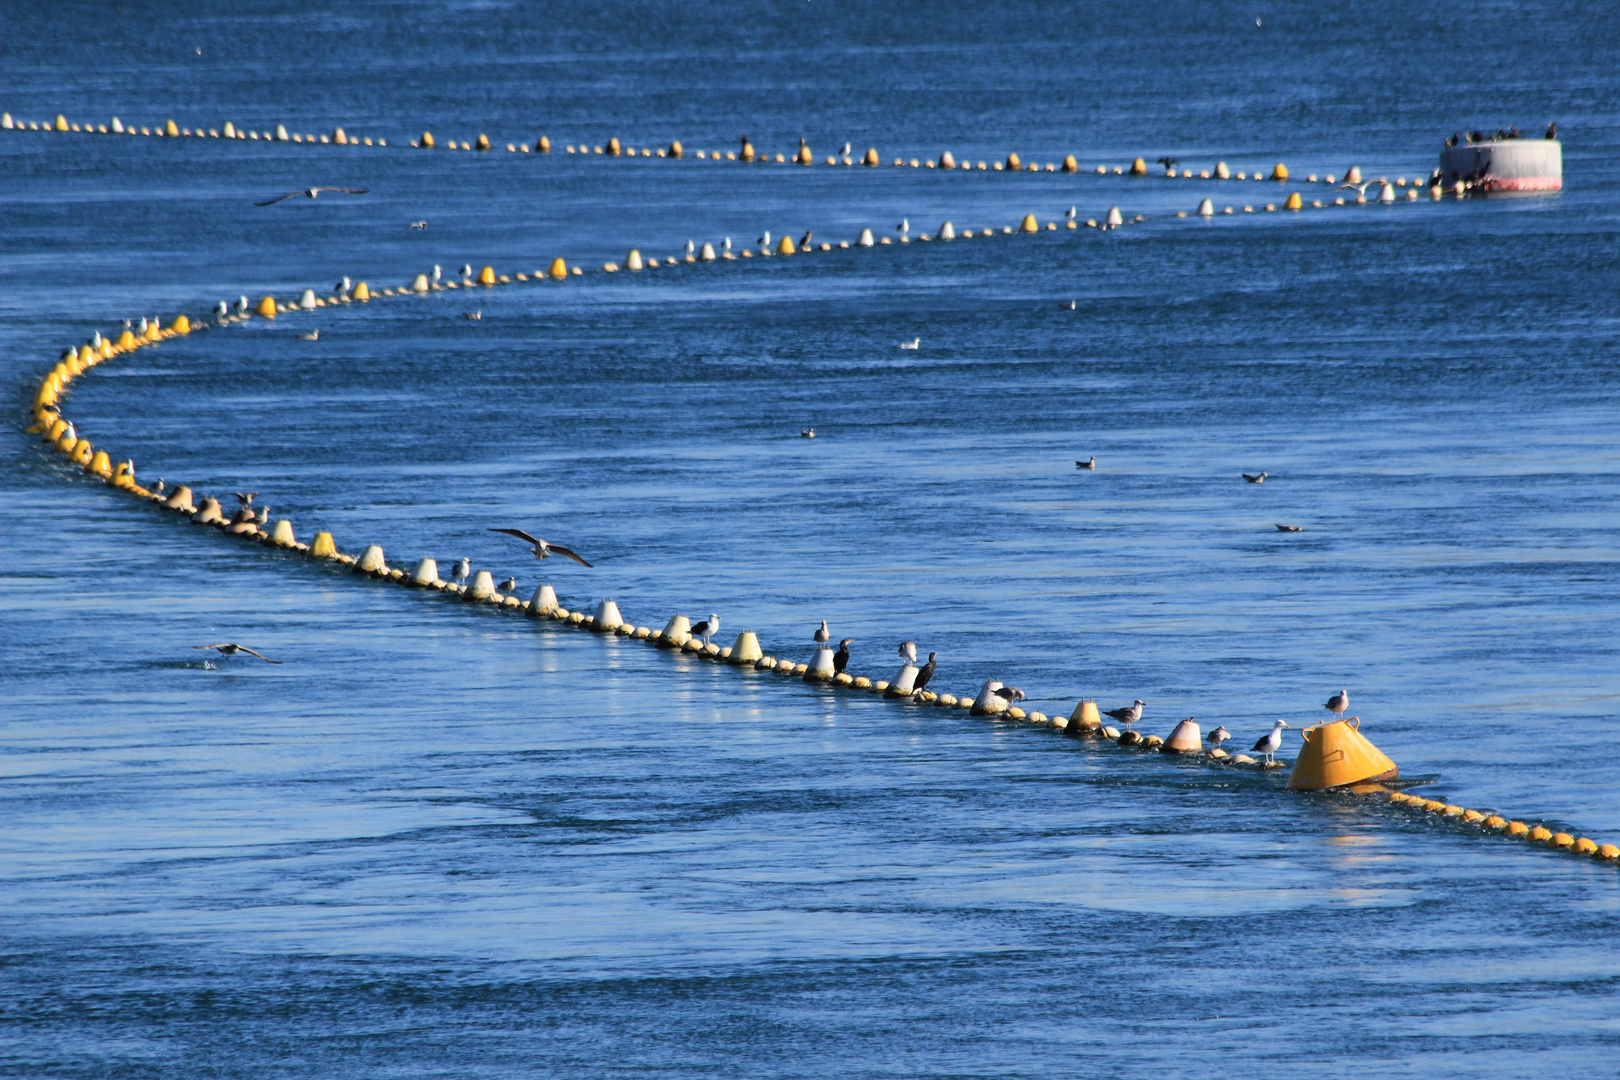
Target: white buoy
<point x="607" y="616"/>
<point x="420" y="284"/>
<point x="371" y="560"/>
<point x="281" y="133"/>
<point x="307" y="301"/>
<point x="865" y="239"/>
<point x="1386" y="194"/>
<point x="427" y="573"/>
<point x="676" y="632"/>
<point x="901" y="685"/>
<point x="989" y="703"/>
<point x="707" y="254"/>
<point x="1115" y="217"/>
<point x="117" y="126"/>
<point x="947" y="231"/>
<point x="1353" y="176"/>
<point x="1222" y="172"/>
<point x="746" y="649"/>
<point x="1206" y="209"/>
<point x="820" y="667"/>
<point x="482" y="587"/>
<point x="544" y="600"/>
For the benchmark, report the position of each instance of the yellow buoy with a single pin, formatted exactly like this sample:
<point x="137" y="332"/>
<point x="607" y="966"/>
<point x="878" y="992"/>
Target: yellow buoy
<point x="1029" y="225"/>
<point x="81" y="452"/>
<point x="1337" y="754"/>
<point x="99" y="464"/>
<point x="1541" y="834"/>
<point x="426" y="141"/>
<point x="675" y="149"/>
<point x="62" y="124"/>
<point x="559" y="269"/>
<point x="322" y="547"/>
<point x="486" y="276"/>
<point x="266" y="308"/>
<point x="181" y="325"/>
<point x="1608" y="851"/>
<point x="1014" y="164"/>
<point x="613" y="147"/>
<point x="1517" y="829"/>
<point x="785" y="246"/>
<point x="633" y="261"/>
<point x="1070" y="165"/>
<point x="871" y="158"/>
<point x="1138" y="167"/>
<point x="171" y="128"/>
<point x="482" y="142"/>
<point x="1294" y="202"/>
<point x="804" y="157"/>
<point x="361" y="292"/>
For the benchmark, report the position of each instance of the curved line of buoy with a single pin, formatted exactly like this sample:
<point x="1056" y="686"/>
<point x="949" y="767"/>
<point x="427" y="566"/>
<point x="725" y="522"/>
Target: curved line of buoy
<point x="1083" y="723"/>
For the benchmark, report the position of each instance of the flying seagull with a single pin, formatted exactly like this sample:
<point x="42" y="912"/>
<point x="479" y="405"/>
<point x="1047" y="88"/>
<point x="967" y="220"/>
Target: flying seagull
<point x="1273" y="741"/>
<point x="311" y="193"/>
<point x="1338" y="703"/>
<point x="245" y="497"/>
<point x="418" y="225"/>
<point x="225" y="648"/>
<point x="1128" y="714"/>
<point x="541" y="549"/>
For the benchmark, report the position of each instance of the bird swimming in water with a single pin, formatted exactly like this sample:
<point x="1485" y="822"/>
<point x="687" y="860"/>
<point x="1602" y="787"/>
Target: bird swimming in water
<point x="1069" y="305"/>
<point x="1288" y="528"/>
<point x="1128" y="714"/>
<point x="1270" y="744"/>
<point x="461" y="570"/>
<point x="1256" y="479"/>
<point x="245" y="497"/>
<point x="1338" y="704"/>
<point x="417" y="225"/>
<point x="541" y="549"/>
<point x="473" y="315"/>
<point x="311" y="193"/>
<point x="1216" y="737"/>
<point x="913" y="344"/>
<point x="509" y="585"/>
<point x="313" y="335"/>
<point x="841" y="657"/>
<point x="1092" y="464"/>
<point x="707" y="628"/>
<point x="908" y="649"/>
<point x="822" y="633"/>
<point x="226" y="648"/>
<point x="808" y="433"/>
<point x="919" y="682"/>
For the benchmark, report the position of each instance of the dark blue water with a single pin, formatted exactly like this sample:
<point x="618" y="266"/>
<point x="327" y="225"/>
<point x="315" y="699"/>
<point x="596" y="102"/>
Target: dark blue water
<point x="441" y="840"/>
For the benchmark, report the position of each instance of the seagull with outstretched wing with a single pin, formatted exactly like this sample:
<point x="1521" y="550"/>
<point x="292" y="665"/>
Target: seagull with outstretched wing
<point x="226" y="648"/>
<point x="310" y="193"/>
<point x="541" y="549"/>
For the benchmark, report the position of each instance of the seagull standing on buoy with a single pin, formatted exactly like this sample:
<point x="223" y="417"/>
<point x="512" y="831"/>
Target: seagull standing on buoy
<point x="846" y="150"/>
<point x="540" y="548"/>
<point x="1009" y="693"/>
<point x="690" y="247"/>
<point x="905" y="226"/>
<point x="342" y="287"/>
<point x="241" y="305"/>
<point x="823" y="634"/>
<point x="509" y="585"/>
<point x="908" y="649"/>
<point x="1272" y="742"/>
<point x="1216" y="737"/>
<point x="1338" y="704"/>
<point x="707" y="628"/>
<point x="466" y="273"/>
<point x="1128" y="714"/>
<point x="726" y="245"/>
<point x="462" y="569"/>
<point x="841" y="657"/>
<point x="1071" y="213"/>
<point x="438" y="272"/>
<point x="765" y="239"/>
<point x="919" y="682"/>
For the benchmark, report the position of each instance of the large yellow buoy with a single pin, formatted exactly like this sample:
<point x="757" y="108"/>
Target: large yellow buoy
<point x="785" y="246"/>
<point x="1294" y="202"/>
<point x="871" y="158"/>
<point x="322" y="547"/>
<point x="482" y="142"/>
<point x="1070" y="165"/>
<point x="559" y="269"/>
<point x="804" y="157"/>
<point x="1138" y="167"/>
<point x="486" y="276"/>
<point x="361" y="292"/>
<point x="675" y="149"/>
<point x="543" y="145"/>
<point x="613" y="147"/>
<point x="181" y="325"/>
<point x="1280" y="172"/>
<point x="1030" y="224"/>
<point x="171" y="128"/>
<point x="266" y="308"/>
<point x="1014" y="164"/>
<point x="426" y="141"/>
<point x="1336" y="754"/>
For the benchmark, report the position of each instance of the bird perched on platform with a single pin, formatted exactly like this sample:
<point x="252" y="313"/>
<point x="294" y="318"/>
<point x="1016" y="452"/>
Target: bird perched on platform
<point x="1552" y="130"/>
<point x="509" y="585"/>
<point x="226" y="648"/>
<point x="908" y="649"/>
<point x="905" y="226"/>
<point x="157" y="489"/>
<point x="822" y="633"/>
<point x="466" y="272"/>
<point x="804" y="241"/>
<point x="707" y="628"/>
<point x="919" y="682"/>
<point x="1216" y="737"/>
<point x="438" y="273"/>
<point x="245" y="497"/>
<point x="264" y="516"/>
<point x="764" y="239"/>
<point x="541" y="549"/>
<point x="221" y="310"/>
<point x="241" y="305"/>
<point x="691" y="247"/>
<point x="1091" y="464"/>
<point x="845" y="152"/>
<point x="1127" y="714"/>
<point x="461" y="570"/>
<point x="841" y="657"/>
<point x="1271" y="742"/>
<point x="725" y="245"/>
<point x="1009" y="693"/>
<point x="1338" y="704"/>
<point x="1256" y="479"/>
<point x="1071" y="213"/>
<point x="311" y="193"/>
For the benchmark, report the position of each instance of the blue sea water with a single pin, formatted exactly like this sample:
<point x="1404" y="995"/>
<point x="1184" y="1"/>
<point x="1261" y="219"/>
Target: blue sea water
<point x="445" y="841"/>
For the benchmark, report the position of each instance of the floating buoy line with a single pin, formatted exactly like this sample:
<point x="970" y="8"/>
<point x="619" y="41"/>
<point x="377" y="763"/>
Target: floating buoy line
<point x="1334" y="755"/>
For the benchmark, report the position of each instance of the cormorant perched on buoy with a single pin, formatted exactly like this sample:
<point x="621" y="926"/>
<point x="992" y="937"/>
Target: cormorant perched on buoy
<point x="1127" y="714"/>
<point x="1169" y="164"/>
<point x="822" y="633"/>
<point x="924" y="673"/>
<point x="1254" y="479"/>
<point x="841" y="657"/>
<point x="1552" y="130"/>
<point x="804" y="241"/>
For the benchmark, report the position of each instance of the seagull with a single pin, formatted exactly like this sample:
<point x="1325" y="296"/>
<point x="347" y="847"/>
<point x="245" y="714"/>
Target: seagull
<point x="1009" y="693"/>
<point x="222" y="309"/>
<point x="905" y="226"/>
<point x="417" y="225"/>
<point x="765" y="240"/>
<point x="1288" y="528"/>
<point x="908" y="649"/>
<point x="841" y="657"/>
<point x="462" y="569"/>
<point x="311" y="193"/>
<point x="919" y="682"/>
<point x="727" y="244"/>
<point x="466" y="272"/>
<point x="541" y="549"/>
<point x="1270" y="743"/>
<point x="808" y="433"/>
<point x="245" y="497"/>
<point x="158" y="488"/>
<point x="475" y="315"/>
<point x="264" y="516"/>
<point x="241" y="305"/>
<point x="509" y="585"/>
<point x="342" y="288"/>
<point x="72" y="433"/>
<point x="912" y="344"/>
<point x="313" y="335"/>
<point x="1128" y="714"/>
<point x="438" y="272"/>
<point x="1069" y="305"/>
<point x="1218" y="736"/>
<point x="1338" y="703"/>
<point x="141" y="329"/>
<point x="1070" y="213"/>
<point x="225" y="648"/>
<point x="804" y="241"/>
<point x="1359" y="189"/>
<point x="707" y="628"/>
<point x="845" y="151"/>
<point x="823" y="634"/>
<point x="1253" y="479"/>
<point x="690" y="247"/>
<point x="1090" y="464"/>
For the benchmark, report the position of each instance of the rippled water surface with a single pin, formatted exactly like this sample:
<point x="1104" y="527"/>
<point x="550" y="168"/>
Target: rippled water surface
<point x="447" y="841"/>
